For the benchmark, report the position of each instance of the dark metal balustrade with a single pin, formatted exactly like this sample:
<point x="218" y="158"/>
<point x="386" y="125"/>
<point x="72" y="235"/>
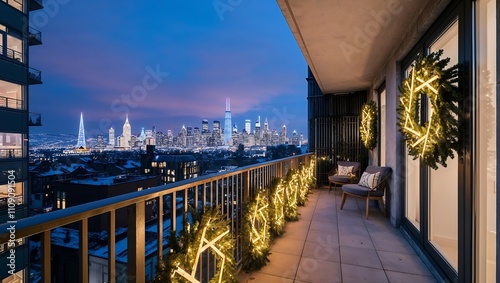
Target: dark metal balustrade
<point x="11" y="103"/>
<point x="36" y="5"/>
<point x="35" y="76"/>
<point x="35" y="119"/>
<point x="34" y="36"/>
<point x="229" y="190"/>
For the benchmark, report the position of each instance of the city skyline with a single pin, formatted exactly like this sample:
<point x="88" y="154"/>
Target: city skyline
<point x="182" y="60"/>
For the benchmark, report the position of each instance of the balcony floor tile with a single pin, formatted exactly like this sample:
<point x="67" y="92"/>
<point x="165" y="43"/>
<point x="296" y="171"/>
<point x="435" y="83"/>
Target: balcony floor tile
<point x="332" y="245"/>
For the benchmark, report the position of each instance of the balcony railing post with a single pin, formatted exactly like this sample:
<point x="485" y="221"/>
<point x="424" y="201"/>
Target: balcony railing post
<point x="160" y="228"/>
<point x="84" y="250"/>
<point x="136" y="243"/>
<point x="111" y="247"/>
<point x="46" y="254"/>
<point x="246" y="186"/>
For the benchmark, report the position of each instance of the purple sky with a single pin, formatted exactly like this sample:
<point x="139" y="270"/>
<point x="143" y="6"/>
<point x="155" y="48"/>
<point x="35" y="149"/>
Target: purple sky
<point x="165" y="63"/>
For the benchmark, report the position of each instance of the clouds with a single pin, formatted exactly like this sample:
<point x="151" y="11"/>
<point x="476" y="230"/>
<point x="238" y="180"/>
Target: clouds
<point x="97" y="56"/>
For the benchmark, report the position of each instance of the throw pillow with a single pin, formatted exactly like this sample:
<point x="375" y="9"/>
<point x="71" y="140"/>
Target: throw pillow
<point x="344" y="170"/>
<point x="369" y="180"/>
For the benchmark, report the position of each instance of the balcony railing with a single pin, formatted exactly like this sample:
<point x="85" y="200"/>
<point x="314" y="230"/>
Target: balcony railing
<point x="34" y="36"/>
<point x="229" y="190"/>
<point x="15" y="3"/>
<point x="11" y="153"/>
<point x="11" y="54"/>
<point x="11" y="103"/>
<point x="36" y="5"/>
<point x="35" y="119"/>
<point x="35" y="76"/>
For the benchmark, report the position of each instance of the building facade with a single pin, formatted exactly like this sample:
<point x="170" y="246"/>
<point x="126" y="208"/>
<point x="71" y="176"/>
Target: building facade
<point x="16" y="76"/>
<point x="449" y="214"/>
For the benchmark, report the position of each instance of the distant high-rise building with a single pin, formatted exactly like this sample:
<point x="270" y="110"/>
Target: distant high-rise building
<point x="257" y="129"/>
<point x="248" y="126"/>
<point x="216" y="127"/>
<point x="283" y="137"/>
<point x="111" y="137"/>
<point x="227" y="122"/>
<point x="142" y="137"/>
<point x="235" y="128"/>
<point x="204" y="126"/>
<point x="81" y="134"/>
<point x="127" y="132"/>
<point x="100" y="140"/>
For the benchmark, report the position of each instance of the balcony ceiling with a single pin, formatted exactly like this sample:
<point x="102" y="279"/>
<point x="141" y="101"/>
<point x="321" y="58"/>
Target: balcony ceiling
<point x="346" y="42"/>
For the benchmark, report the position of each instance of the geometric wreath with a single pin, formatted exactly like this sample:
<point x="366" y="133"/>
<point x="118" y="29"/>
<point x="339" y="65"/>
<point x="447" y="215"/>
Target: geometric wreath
<point x="368" y="129"/>
<point x="435" y="139"/>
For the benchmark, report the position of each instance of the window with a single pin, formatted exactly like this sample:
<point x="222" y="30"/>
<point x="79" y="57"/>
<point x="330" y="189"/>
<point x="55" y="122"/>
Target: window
<point x="11" y="145"/>
<point x="11" y="95"/>
<point x="18" y="196"/>
<point x="18" y="4"/>
<point x="486" y="170"/>
<point x="11" y="44"/>
<point x="443" y="182"/>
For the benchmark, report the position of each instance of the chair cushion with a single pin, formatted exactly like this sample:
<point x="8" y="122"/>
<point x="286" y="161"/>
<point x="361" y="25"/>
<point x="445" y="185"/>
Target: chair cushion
<point x="344" y="170"/>
<point x="360" y="190"/>
<point x="355" y="165"/>
<point x="369" y="180"/>
<point x="339" y="179"/>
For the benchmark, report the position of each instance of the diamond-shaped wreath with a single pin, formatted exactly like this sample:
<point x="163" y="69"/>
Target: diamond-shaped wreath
<point x="210" y="231"/>
<point x="435" y="139"/>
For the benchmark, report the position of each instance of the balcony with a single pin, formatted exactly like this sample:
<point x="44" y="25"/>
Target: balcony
<point x="13" y="103"/>
<point x="35" y="119"/>
<point x="35" y="5"/>
<point x="34" y="76"/>
<point x="13" y="152"/>
<point x="34" y="36"/>
<point x="325" y="243"/>
<point x="11" y="54"/>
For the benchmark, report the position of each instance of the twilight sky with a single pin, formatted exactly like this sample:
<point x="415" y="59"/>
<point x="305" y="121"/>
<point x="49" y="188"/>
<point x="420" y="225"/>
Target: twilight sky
<point x="166" y="63"/>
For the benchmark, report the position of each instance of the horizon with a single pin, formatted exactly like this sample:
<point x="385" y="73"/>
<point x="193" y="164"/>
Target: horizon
<point x="166" y="65"/>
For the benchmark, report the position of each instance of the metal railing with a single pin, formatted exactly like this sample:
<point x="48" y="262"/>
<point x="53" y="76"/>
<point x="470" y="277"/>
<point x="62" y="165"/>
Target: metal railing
<point x="35" y="76"/>
<point x="11" y="153"/>
<point x="15" y="3"/>
<point x="34" y="36"/>
<point x="11" y="54"/>
<point x="11" y="102"/>
<point x="229" y="190"/>
<point x="35" y="4"/>
<point x="35" y="119"/>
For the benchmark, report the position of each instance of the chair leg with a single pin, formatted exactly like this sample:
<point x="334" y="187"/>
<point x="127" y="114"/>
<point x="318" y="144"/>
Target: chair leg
<point x="344" y="196"/>
<point x="383" y="207"/>
<point x="367" y="206"/>
<point x="330" y="185"/>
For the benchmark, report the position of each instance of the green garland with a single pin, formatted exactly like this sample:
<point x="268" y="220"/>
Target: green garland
<point x="184" y="254"/>
<point x="436" y="139"/>
<point x="256" y="234"/>
<point x="368" y="128"/>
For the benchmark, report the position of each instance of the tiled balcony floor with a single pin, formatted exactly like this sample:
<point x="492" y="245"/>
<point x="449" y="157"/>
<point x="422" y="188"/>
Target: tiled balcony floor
<point x="332" y="245"/>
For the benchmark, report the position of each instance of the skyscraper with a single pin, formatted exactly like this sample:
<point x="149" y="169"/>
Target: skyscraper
<point x="126" y="133"/>
<point x="248" y="126"/>
<point x="204" y="126"/>
<point x="16" y="80"/>
<point x="227" y="122"/>
<point x="111" y="137"/>
<point x="81" y="134"/>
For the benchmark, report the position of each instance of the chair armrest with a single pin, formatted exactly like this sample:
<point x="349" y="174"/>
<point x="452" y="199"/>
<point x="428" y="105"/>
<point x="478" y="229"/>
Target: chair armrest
<point x="381" y="184"/>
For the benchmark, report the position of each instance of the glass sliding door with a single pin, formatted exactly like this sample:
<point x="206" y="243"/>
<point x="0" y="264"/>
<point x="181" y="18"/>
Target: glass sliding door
<point x="443" y="182"/>
<point x="486" y="194"/>
<point x="382" y="141"/>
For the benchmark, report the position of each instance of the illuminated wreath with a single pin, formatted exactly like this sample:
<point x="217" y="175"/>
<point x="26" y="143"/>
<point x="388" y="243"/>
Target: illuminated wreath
<point x="256" y="232"/>
<point x="209" y="231"/>
<point x="368" y="128"/>
<point x="435" y="139"/>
